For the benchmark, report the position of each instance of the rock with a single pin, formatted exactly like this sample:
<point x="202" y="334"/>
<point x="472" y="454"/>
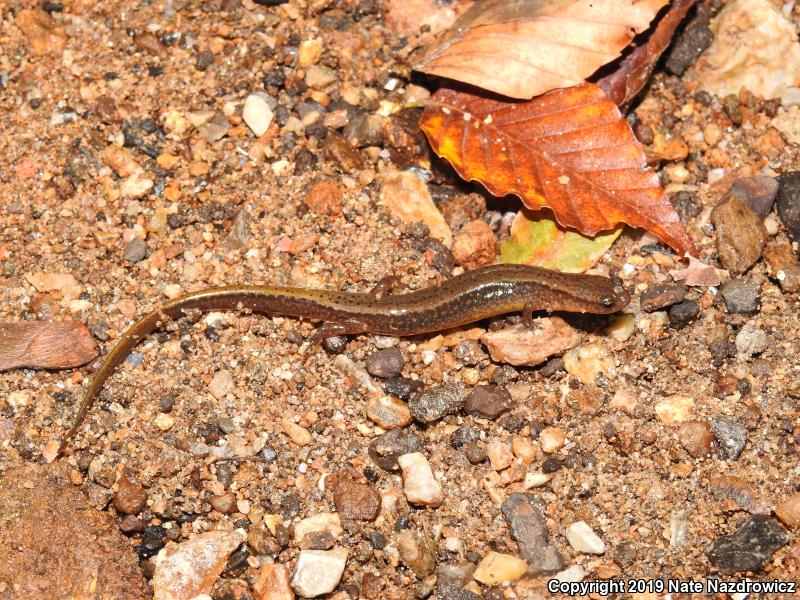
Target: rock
<point x="62" y="547"/>
<point x="656" y="297"/>
<point x="135" y="251"/>
<point x="736" y="489"/>
<point x="164" y="422"/>
<point x="788" y="201"/>
<point x="318" y="572"/>
<point x="215" y="129"/>
<point x="319" y="531"/>
<point x="686" y="205"/>
<point x="500" y="455"/>
<point x="365" y="130"/>
<point x="454" y="576"/>
<point x="257" y="112"/>
<point x="531" y="346"/>
<point x="299" y="435"/>
<point x="529" y="530"/>
<point x="755" y="48"/>
<point x="121" y="160"/>
<point x="498" y="569"/>
<point x="783" y="264"/>
<point x="750" y="340"/>
<point x="272" y="583"/>
<point x="689" y="43"/>
<point x="338" y="150"/>
<point x="750" y="547"/>
<point x="683" y="313"/>
<point x="741" y="235"/>
<point x="757" y="193"/>
<point x="130" y="498"/>
<point x="136" y="185"/>
<point x="731" y="435"/>
<point x="696" y="437"/>
<point x="587" y="361"/>
<point x="41" y="31"/>
<point x="203" y="60"/>
<point x="318" y="77"/>
<point x="356" y="501"/>
<point x="475" y="453"/>
<point x="190" y="568"/>
<point x="388" y="412"/>
<point x="221" y="384"/>
<point x="385" y="449"/>
<point x="674" y="410"/>
<point x="581" y="537"/>
<point x="475" y="245"/>
<point x="402" y="387"/>
<point x="385" y="363"/>
<point x="788" y="511"/>
<point x="419" y="484"/>
<point x="417" y="552"/>
<point x="488" y="401"/>
<point x="740" y="296"/>
<point x="552" y="439"/>
<point x="224" y="503"/>
<point x="437" y="402"/>
<point x="325" y="198"/>
<point x="407" y="199"/>
<point x="573" y="574"/>
<point x="309" y="52"/>
<point x="65" y="283"/>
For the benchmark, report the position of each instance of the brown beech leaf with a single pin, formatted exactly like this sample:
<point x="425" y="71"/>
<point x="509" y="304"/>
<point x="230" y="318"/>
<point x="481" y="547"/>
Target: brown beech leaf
<point x="633" y="71"/>
<point x="45" y="345"/>
<point x="523" y="48"/>
<point x="568" y="150"/>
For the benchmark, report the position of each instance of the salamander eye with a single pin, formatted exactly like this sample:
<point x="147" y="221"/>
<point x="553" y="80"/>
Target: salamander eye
<point x="607" y="301"/>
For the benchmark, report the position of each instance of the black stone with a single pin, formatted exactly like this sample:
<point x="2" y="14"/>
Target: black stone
<point x="788" y="201"/>
<point x="437" y="402"/>
<point x="385" y="363"/>
<point x="680" y="315"/>
<point x="740" y="296"/>
<point x="689" y="44"/>
<point x="401" y="387"/>
<point x="750" y="547"/>
<point x="385" y="449"/>
<point x="731" y="435"/>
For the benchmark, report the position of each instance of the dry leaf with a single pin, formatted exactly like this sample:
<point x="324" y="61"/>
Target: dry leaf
<point x="523" y="48"/>
<point x="538" y="240"/>
<point x="45" y="345"/>
<point x="568" y="150"/>
<point x="635" y="69"/>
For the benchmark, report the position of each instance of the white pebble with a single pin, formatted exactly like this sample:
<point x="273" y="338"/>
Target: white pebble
<point x="318" y="572"/>
<point x="257" y="113"/>
<point x="581" y="537"/>
<point x="419" y="484"/>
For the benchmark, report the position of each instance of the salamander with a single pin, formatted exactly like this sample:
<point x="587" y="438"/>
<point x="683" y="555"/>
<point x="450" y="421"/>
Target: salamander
<point x="473" y="296"/>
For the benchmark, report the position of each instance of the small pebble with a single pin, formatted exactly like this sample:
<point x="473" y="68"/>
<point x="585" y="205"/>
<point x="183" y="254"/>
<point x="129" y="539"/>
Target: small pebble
<point x="130" y="498"/>
<point x="750" y="341"/>
<point x="740" y="296"/>
<point x="552" y="439"/>
<point x="356" y="501"/>
<point x="788" y="511"/>
<point x="528" y="528"/>
<point x="385" y="363"/>
<point x="388" y="412"/>
<point x="272" y="582"/>
<point x="741" y="235"/>
<point x="488" y="401"/>
<point x="402" y="387"/>
<point x="581" y="537"/>
<point x="164" y="422"/>
<point x="788" y="201"/>
<point x="497" y="569"/>
<point x="419" y="484"/>
<point x="757" y="193"/>
<point x="731" y="435"/>
<point x="674" y="410"/>
<point x="587" y="361"/>
<point x="224" y="503"/>
<point x="683" y="313"/>
<point x="417" y="552"/>
<point x="135" y="251"/>
<point x="521" y="345"/>
<point x="257" y="112"/>
<point x="656" y="297"/>
<point x="221" y="384"/>
<point x="385" y="449"/>
<point x="500" y="455"/>
<point x="318" y="572"/>
<point x="323" y="529"/>
<point x="299" y="435"/>
<point x="318" y="77"/>
<point x="696" y="437"/>
<point x="437" y="402"/>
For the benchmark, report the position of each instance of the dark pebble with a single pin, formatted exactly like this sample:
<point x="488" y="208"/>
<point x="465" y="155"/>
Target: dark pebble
<point x="452" y="593"/>
<point x="131" y="524"/>
<point x="153" y="537"/>
<point x="464" y="435"/>
<point x="504" y="374"/>
<point x="488" y="401"/>
<point x="135" y="251"/>
<point x="339" y="151"/>
<point x="732" y="108"/>
<point x="656" y="297"/>
<point x="385" y="449"/>
<point x="475" y="453"/>
<point x="689" y="43"/>
<point x="356" y="501"/>
<point x="749" y="548"/>
<point x="788" y="201"/>
<point x="385" y="363"/>
<point x="438" y="401"/>
<point x="377" y="539"/>
<point x="442" y="257"/>
<point x="166" y="403"/>
<point x="401" y="387"/>
<point x="365" y="130"/>
<point x="469" y="353"/>
<point x="335" y="344"/>
<point x="680" y="315"/>
<point x="644" y="133"/>
<point x="453" y="576"/>
<point x="304" y="162"/>
<point x="529" y="529"/>
<point x="551" y="464"/>
<point x="686" y="205"/>
<point x="740" y="296"/>
<point x="731" y="435"/>
<point x="741" y="235"/>
<point x="757" y="193"/>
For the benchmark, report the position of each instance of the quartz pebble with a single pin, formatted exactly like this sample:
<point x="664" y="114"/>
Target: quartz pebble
<point x="475" y="245"/>
<point x="257" y="113"/>
<point x="407" y="198"/>
<point x="750" y="340"/>
<point x="587" y="361"/>
<point x="318" y="572"/>
<point x="164" y="422"/>
<point x="581" y="537"/>
<point x="496" y="569"/>
<point x="299" y="435"/>
<point x="674" y="410"/>
<point x="500" y="455"/>
<point x="419" y="484"/>
<point x="388" y="412"/>
<point x="221" y="384"/>
<point x="552" y="439"/>
<point x="322" y="525"/>
<point x="522" y="345"/>
<point x="190" y="568"/>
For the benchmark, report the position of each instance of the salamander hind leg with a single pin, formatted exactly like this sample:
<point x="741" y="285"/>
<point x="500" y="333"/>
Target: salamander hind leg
<point x="527" y="318"/>
<point x="385" y="286"/>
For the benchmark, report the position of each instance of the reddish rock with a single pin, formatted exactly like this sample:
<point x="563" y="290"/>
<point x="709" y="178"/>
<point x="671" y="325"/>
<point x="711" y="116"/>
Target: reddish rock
<point x="325" y="198"/>
<point x="475" y="245"/>
<point x="130" y="498"/>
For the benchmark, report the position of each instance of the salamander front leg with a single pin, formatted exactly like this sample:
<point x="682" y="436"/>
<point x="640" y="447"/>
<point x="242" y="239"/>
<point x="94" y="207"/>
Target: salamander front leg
<point x="527" y="317"/>
<point x="385" y="286"/>
<point x="331" y="329"/>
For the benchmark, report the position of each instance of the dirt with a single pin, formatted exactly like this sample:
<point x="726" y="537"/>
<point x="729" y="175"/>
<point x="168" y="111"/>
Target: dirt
<point x="199" y="410"/>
